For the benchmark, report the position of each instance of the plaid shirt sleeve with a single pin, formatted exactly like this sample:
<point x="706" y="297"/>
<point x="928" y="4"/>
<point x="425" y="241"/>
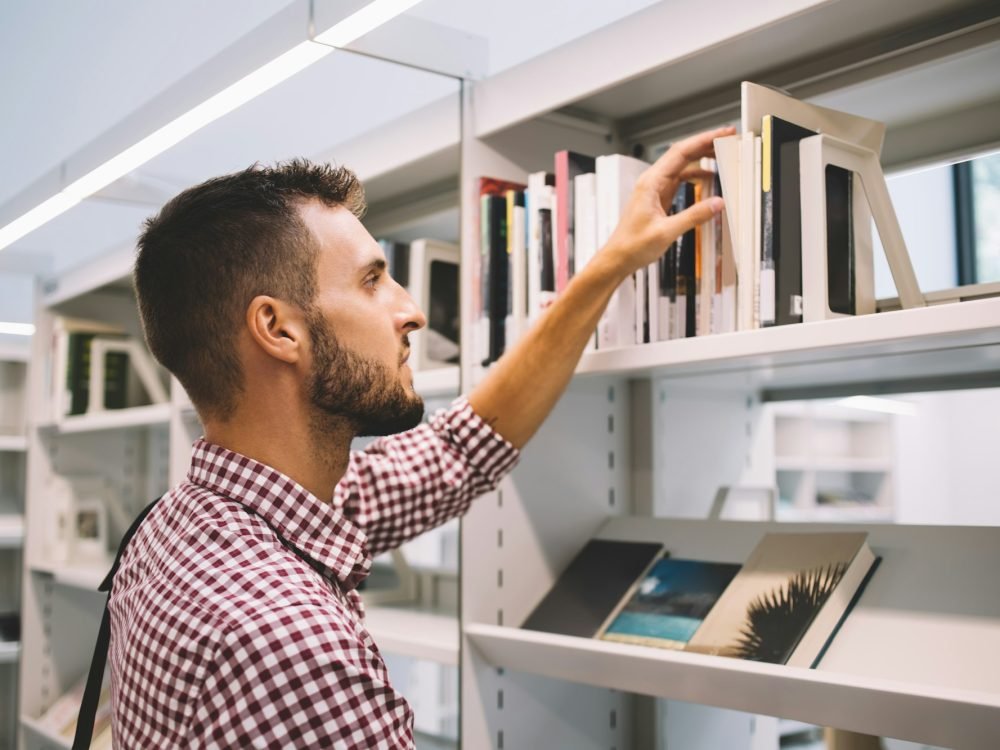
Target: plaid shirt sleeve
<point x="403" y="485"/>
<point x="286" y="678"/>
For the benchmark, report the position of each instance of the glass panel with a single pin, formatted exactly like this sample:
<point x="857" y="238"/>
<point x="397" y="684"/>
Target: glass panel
<point x="917" y="458"/>
<point x="986" y="210"/>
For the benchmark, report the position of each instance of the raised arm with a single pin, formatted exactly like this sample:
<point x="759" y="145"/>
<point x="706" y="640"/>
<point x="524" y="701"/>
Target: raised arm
<point x="524" y="385"/>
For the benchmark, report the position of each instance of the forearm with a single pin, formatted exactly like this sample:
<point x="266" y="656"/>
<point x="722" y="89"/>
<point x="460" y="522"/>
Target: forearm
<point x="525" y="383"/>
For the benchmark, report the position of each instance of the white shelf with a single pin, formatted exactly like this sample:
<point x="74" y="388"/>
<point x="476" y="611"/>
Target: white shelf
<point x="835" y="514"/>
<point x="419" y="635"/>
<point x="13" y="443"/>
<point x="879" y="675"/>
<point x="112" y="419"/>
<point x="442" y="381"/>
<point x="10" y="651"/>
<point x="11" y="531"/>
<point x="937" y="341"/>
<point x="811" y="48"/>
<point x="85" y="576"/>
<point x="832" y="463"/>
<point x="36" y="727"/>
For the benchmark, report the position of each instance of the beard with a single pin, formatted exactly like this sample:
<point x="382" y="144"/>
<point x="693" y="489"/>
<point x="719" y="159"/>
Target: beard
<point x="364" y="393"/>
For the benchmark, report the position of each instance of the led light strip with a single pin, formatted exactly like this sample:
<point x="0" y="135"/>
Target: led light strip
<point x="252" y="85"/>
<point x="17" y="329"/>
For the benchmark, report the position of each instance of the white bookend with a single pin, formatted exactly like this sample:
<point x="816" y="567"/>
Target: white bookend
<point x="756" y="101"/>
<point x="815" y="154"/>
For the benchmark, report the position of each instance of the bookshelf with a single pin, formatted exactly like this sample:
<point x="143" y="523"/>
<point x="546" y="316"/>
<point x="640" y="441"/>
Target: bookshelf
<point x="644" y="436"/>
<point x="13" y="456"/>
<point x="410" y="169"/>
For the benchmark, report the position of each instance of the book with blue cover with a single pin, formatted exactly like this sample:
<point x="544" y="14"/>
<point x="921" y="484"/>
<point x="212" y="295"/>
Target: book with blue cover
<point x="668" y="604"/>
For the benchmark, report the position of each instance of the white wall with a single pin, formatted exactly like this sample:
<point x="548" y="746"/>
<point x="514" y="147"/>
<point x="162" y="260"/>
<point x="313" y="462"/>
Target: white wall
<point x="946" y="459"/>
<point x="925" y="207"/>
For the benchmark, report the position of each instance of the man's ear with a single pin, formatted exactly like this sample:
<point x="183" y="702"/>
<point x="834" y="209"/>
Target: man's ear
<point x="279" y="329"/>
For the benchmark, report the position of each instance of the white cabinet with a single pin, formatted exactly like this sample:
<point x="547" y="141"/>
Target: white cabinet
<point x="646" y="434"/>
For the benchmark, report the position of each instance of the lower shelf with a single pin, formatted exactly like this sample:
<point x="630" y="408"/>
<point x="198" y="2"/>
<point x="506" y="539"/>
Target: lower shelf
<point x="38" y="731"/>
<point x="953" y="718"/>
<point x="86" y="576"/>
<point x="10" y="651"/>
<point x="418" y="635"/>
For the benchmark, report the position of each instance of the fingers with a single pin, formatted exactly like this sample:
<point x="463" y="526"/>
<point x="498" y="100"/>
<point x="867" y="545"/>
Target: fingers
<point x="693" y="216"/>
<point x="671" y="166"/>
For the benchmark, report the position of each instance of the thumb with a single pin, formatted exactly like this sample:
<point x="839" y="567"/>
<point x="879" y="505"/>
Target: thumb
<point x="692" y="216"/>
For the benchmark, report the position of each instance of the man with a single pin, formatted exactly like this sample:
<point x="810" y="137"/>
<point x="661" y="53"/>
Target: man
<point x="235" y="620"/>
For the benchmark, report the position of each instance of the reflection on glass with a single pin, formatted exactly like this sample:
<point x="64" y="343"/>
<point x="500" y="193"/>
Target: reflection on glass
<point x="918" y="458"/>
<point x="986" y="210"/>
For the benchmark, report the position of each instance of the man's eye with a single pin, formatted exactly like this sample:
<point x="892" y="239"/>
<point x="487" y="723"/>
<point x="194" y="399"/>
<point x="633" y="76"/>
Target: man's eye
<point x="372" y="281"/>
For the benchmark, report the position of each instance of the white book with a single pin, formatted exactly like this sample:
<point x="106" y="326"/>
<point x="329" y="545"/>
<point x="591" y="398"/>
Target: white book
<point x="517" y="317"/>
<point x="585" y="226"/>
<point x="706" y="281"/>
<point x="653" y="301"/>
<point x="616" y="176"/>
<point x="533" y="199"/>
<point x="762" y="297"/>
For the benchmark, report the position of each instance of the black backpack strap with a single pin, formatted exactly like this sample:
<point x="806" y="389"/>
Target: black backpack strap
<point x="92" y="693"/>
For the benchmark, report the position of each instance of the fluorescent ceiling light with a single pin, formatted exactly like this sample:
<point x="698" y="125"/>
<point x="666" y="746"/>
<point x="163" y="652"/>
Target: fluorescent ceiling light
<point x="264" y="78"/>
<point x="361" y="22"/>
<point x="17" y="329"/>
<point x="883" y="405"/>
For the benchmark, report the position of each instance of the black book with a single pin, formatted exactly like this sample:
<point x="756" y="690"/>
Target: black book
<point x="590" y="588"/>
<point x="548" y="260"/>
<point x="499" y="274"/>
<point x="840" y="270"/>
<point x="685" y="260"/>
<point x="781" y="223"/>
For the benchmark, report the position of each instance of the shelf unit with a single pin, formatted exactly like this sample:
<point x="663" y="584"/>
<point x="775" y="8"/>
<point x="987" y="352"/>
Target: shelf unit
<point x="410" y="171"/>
<point x="13" y="457"/>
<point x="648" y="433"/>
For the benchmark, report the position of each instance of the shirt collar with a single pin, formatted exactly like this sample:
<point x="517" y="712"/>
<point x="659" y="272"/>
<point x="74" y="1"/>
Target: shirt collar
<point x="314" y="527"/>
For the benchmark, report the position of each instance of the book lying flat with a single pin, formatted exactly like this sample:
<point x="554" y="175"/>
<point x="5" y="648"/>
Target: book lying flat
<point x="591" y="586"/>
<point x="789" y="599"/>
<point x="670" y="602"/>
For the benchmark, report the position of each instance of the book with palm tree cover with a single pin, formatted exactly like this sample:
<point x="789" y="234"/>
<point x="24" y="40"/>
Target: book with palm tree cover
<point x="789" y="599"/>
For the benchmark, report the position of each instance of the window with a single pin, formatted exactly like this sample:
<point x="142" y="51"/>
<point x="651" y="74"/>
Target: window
<point x="977" y="218"/>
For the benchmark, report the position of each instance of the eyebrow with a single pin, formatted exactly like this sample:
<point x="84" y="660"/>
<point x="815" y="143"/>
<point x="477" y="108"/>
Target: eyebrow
<point x="378" y="264"/>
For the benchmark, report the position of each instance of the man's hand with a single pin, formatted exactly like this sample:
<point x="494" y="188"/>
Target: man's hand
<point x="646" y="229"/>
<point x="523" y="386"/>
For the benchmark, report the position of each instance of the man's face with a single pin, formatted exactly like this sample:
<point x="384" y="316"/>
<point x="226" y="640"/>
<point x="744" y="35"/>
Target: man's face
<point x="359" y="328"/>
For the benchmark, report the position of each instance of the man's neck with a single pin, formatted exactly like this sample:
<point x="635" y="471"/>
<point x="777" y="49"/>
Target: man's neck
<point x="313" y="455"/>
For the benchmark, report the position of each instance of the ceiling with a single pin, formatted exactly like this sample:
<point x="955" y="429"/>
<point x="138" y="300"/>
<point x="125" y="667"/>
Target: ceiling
<point x="75" y="69"/>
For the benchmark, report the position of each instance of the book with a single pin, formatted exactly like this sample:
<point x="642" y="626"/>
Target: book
<point x="781" y="225"/>
<point x="568" y="164"/>
<point x="492" y="268"/>
<point x="69" y="381"/>
<point x="669" y="603"/>
<point x="541" y="279"/>
<point x="621" y="324"/>
<point x="591" y="586"/>
<point x="789" y="598"/>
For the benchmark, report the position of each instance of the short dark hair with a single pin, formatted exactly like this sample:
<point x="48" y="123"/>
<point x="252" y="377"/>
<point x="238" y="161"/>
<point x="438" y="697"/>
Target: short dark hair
<point x="216" y="246"/>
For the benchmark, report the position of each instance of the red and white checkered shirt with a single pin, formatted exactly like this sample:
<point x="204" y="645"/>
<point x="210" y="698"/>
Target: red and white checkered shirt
<point x="221" y="637"/>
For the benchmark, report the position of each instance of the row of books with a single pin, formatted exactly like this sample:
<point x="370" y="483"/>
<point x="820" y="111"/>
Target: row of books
<point x="742" y="270"/>
<point x="783" y="605"/>
<point x="124" y="369"/>
<point x="428" y="269"/>
<point x="534" y="238"/>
